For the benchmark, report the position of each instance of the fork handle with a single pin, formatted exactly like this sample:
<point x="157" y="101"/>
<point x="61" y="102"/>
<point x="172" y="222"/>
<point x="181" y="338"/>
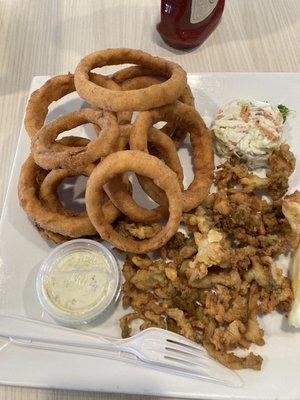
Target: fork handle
<point x="85" y="351"/>
<point x="18" y="327"/>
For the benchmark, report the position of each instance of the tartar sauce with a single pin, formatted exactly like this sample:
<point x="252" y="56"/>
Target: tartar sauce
<point x="248" y="129"/>
<point x="78" y="281"/>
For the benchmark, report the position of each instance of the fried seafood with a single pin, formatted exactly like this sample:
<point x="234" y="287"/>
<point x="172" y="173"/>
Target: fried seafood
<point x="213" y="283"/>
<point x="211" y="250"/>
<point x="280" y="166"/>
<point x="139" y="230"/>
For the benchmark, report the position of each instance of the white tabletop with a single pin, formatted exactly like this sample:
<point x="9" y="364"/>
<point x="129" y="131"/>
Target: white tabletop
<point x="47" y="37"/>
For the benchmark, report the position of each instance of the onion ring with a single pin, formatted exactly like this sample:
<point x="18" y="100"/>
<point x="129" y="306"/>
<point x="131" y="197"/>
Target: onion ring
<point x="49" y="197"/>
<point x="136" y="77"/>
<point x="133" y="71"/>
<point x="50" y="182"/>
<point x="70" y="141"/>
<point x="49" y="185"/>
<point x="28" y="190"/>
<point x="53" y="237"/>
<point x="119" y="194"/>
<point x="40" y="100"/>
<point x="140" y="82"/>
<point x="135" y="100"/>
<point x="53" y="90"/>
<point x="136" y="71"/>
<point x="45" y="218"/>
<point x="73" y="157"/>
<point x="52" y="179"/>
<point x="201" y="141"/>
<point x="143" y="164"/>
<point x="58" y="239"/>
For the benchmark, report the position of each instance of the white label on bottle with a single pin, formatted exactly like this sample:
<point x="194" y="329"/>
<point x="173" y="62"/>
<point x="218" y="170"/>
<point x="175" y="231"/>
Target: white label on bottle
<point x="201" y="9"/>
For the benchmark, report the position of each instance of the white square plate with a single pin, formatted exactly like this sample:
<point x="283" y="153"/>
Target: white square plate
<point x="22" y="249"/>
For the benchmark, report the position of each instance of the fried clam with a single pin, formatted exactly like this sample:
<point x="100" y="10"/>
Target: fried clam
<point x="211" y="283"/>
<point x="200" y="136"/>
<point x="43" y="143"/>
<point x="51" y="91"/>
<point x="138" y="230"/>
<point x="132" y="100"/>
<point x="144" y="164"/>
<point x="136" y="77"/>
<point x="221" y="319"/>
<point x="221" y="313"/>
<point x="212" y="249"/>
<point x="280" y="165"/>
<point x="119" y="194"/>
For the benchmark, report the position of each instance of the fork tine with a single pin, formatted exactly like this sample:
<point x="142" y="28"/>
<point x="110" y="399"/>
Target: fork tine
<point x="185" y="343"/>
<point x="180" y="338"/>
<point x="186" y="351"/>
<point x="186" y="360"/>
<point x="187" y="365"/>
<point x="163" y="335"/>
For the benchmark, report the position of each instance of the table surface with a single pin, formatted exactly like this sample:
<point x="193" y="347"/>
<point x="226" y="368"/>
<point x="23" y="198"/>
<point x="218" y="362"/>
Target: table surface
<point x="40" y="37"/>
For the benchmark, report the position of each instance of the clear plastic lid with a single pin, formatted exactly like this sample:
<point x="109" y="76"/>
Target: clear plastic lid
<point x="78" y="281"/>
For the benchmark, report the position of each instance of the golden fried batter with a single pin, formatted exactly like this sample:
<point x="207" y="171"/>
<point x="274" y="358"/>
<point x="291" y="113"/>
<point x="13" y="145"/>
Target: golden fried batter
<point x="212" y="250"/>
<point x="281" y="164"/>
<point x="212" y="282"/>
<point x="139" y="230"/>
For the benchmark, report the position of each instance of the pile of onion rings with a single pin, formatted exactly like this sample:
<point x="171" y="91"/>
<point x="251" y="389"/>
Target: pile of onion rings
<point x="157" y="91"/>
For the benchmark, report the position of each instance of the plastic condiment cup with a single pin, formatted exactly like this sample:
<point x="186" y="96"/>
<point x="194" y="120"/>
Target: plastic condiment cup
<point x="46" y="269"/>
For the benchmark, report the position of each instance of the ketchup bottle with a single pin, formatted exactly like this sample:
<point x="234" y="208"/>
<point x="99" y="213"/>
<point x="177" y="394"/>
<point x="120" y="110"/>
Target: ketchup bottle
<point x="187" y="23"/>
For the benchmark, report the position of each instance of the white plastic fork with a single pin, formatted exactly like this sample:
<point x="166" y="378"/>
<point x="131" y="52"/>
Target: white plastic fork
<point x="152" y="347"/>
